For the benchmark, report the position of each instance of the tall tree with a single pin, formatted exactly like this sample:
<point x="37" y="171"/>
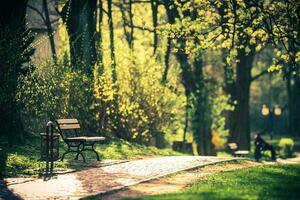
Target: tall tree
<point x="286" y="34"/>
<point x="127" y="17"/>
<point x="49" y="30"/>
<point x="192" y="77"/>
<point x="241" y="131"/>
<point x="99" y="40"/>
<point x="112" y="40"/>
<point x="243" y="46"/>
<point x="45" y="17"/>
<point x="154" y="8"/>
<point x="281" y="22"/>
<point x="15" y="49"/>
<point x="79" y="17"/>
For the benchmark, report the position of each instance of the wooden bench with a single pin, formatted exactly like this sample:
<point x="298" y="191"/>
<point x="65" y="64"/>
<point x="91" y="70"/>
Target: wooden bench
<point x="234" y="150"/>
<point x="69" y="131"/>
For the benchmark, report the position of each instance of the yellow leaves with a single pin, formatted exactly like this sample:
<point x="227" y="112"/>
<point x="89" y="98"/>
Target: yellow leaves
<point x="226" y="44"/>
<point x="247" y="50"/>
<point x="135" y="133"/>
<point x="281" y="56"/>
<point x="275" y="67"/>
<point x="253" y="9"/>
<point x="252" y="40"/>
<point x="248" y="31"/>
<point x="258" y="47"/>
<point x="104" y="88"/>
<point x="297" y="57"/>
<point x="285" y="57"/>
<point x="142" y="102"/>
<point x="234" y="52"/>
<point x="228" y="60"/>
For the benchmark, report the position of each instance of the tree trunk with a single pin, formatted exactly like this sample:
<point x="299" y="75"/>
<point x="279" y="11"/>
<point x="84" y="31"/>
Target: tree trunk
<point x="229" y="89"/>
<point x="131" y="25"/>
<point x="290" y="100"/>
<point x="296" y="110"/>
<point x="293" y="85"/>
<point x="202" y="114"/>
<point x="12" y="55"/>
<point x="241" y="132"/>
<point x="81" y="26"/>
<point x="167" y="62"/>
<point x="100" y="69"/>
<point x="193" y="81"/>
<point x="154" y="7"/>
<point x="111" y="39"/>
<point x="186" y="120"/>
<point x="49" y="30"/>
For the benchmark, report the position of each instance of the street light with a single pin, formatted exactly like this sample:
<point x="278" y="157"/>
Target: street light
<point x="277" y="110"/>
<point x="265" y="110"/>
<point x="271" y="112"/>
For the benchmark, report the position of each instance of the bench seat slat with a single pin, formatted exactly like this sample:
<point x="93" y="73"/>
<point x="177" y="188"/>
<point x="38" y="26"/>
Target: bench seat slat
<point x="69" y="126"/>
<point x="232" y="146"/>
<point x="67" y="121"/>
<point x="242" y="152"/>
<point x="85" y="139"/>
<point x="95" y="139"/>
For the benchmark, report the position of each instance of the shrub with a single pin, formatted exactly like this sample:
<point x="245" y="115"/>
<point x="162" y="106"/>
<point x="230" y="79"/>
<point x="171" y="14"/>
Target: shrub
<point x="134" y="108"/>
<point x="137" y="106"/>
<point x="217" y="140"/>
<point x="286" y="146"/>
<point x="50" y="91"/>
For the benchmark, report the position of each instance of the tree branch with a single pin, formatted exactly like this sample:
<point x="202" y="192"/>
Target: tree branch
<point x="259" y="75"/>
<point x="140" y="27"/>
<point x="38" y="12"/>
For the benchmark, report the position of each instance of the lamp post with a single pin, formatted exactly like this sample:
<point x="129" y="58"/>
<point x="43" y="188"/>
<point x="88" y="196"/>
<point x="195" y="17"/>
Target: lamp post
<point x="271" y="113"/>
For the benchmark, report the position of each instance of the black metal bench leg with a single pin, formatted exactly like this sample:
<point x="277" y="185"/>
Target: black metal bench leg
<point x="79" y="151"/>
<point x="93" y="149"/>
<point x="68" y="151"/>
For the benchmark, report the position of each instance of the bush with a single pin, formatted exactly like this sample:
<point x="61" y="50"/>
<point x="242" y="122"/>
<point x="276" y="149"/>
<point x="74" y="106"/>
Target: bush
<point x="137" y="106"/>
<point x="286" y="146"/>
<point x="217" y="140"/>
<point x="50" y="91"/>
<point x="134" y="107"/>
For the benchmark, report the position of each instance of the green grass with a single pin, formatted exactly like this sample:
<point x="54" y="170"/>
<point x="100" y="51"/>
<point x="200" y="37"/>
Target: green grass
<point x="263" y="182"/>
<point x="121" y="149"/>
<point x="23" y="160"/>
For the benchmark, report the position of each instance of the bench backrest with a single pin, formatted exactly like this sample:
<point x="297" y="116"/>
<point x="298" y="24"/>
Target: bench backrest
<point x="68" y="127"/>
<point x="232" y="146"/>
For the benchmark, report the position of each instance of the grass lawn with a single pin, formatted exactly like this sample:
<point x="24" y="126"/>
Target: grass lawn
<point x="263" y="182"/>
<point x="23" y="160"/>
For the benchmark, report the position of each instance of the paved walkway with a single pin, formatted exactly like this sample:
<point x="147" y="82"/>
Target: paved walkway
<point x="100" y="180"/>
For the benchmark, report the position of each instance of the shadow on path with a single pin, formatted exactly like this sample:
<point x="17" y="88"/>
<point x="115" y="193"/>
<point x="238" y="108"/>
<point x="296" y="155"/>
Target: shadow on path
<point x="5" y="193"/>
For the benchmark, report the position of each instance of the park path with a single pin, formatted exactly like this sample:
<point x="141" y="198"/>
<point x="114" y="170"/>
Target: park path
<point x="100" y="180"/>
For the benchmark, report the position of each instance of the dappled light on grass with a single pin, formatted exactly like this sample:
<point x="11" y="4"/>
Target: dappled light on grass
<point x="121" y="149"/>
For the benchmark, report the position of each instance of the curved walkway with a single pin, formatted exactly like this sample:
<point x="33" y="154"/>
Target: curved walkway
<point x="101" y="180"/>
